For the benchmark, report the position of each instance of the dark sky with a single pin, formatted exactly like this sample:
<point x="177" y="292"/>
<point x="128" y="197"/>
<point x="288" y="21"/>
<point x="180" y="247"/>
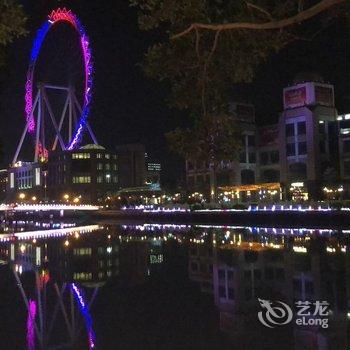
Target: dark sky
<point x="127" y="107"/>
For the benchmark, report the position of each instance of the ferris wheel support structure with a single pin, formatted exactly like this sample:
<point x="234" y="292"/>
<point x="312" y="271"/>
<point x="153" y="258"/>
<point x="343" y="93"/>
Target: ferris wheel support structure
<point x="71" y="108"/>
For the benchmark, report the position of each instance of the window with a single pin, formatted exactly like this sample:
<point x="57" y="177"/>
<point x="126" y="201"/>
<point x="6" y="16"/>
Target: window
<point x="251" y="140"/>
<point x="82" y="276"/>
<point x="99" y="166"/>
<point x="107" y="156"/>
<point x="99" y="155"/>
<point x="289" y="130"/>
<point x="252" y="157"/>
<point x="264" y="158"/>
<point x="80" y="155"/>
<point x="81" y="179"/>
<point x="99" y="179"/>
<point x="115" y="167"/>
<point x="290" y="148"/>
<point x="82" y="251"/>
<point x="302" y="148"/>
<point x="275" y="157"/>
<point x="108" y="178"/>
<point x="301" y="128"/>
<point x="108" y="166"/>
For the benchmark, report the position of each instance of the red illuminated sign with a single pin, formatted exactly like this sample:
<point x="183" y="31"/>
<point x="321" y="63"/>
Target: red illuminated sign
<point x="295" y="97"/>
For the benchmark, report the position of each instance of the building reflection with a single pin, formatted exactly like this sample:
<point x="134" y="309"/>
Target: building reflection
<point x="233" y="265"/>
<point x="89" y="254"/>
<point x="238" y="266"/>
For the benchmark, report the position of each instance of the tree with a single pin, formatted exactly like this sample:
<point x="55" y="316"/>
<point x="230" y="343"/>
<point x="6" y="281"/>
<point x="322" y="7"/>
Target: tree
<point x="12" y="24"/>
<point x="213" y="139"/>
<point x="207" y="46"/>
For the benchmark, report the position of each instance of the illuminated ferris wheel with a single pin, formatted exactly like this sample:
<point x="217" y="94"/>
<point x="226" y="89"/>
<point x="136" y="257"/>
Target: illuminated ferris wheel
<point x="57" y="317"/>
<point x="45" y="129"/>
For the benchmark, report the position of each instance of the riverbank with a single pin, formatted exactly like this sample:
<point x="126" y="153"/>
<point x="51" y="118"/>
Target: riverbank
<point x="307" y="219"/>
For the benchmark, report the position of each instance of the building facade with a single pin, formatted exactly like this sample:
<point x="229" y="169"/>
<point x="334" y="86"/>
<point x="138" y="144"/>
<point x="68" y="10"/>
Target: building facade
<point x="306" y="154"/>
<point x="88" y="174"/>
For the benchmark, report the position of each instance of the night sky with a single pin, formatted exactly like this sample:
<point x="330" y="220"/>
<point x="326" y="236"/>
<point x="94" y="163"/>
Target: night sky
<point x="127" y="107"/>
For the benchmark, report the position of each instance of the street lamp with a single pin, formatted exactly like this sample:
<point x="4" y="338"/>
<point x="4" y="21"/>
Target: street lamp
<point x="22" y="196"/>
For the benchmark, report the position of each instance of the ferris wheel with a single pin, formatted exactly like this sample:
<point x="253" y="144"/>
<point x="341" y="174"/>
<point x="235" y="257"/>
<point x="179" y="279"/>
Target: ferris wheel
<point x="58" y="317"/>
<point x="40" y="116"/>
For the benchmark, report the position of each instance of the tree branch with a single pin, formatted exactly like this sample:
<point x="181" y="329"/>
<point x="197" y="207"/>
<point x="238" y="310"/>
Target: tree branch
<point x="260" y="9"/>
<point x="287" y="22"/>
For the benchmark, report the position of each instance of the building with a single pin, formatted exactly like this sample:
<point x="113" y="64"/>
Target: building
<point x="307" y="129"/>
<point x="26" y="181"/>
<point x="132" y="165"/>
<point x="88" y="174"/>
<point x="306" y="155"/>
<point x="85" y="175"/>
<point x="153" y="170"/>
<point x="241" y="171"/>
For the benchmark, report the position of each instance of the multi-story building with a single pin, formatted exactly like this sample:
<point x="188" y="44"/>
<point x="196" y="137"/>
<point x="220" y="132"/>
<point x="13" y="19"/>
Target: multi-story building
<point x="240" y="171"/>
<point x="307" y="127"/>
<point x="302" y="156"/>
<point x="26" y="181"/>
<point x="89" y="174"/>
<point x="132" y="165"/>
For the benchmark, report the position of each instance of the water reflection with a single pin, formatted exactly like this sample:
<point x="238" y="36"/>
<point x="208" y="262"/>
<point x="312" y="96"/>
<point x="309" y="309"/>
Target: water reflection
<point x="231" y="266"/>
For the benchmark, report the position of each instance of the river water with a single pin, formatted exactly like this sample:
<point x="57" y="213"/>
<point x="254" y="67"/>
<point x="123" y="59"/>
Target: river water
<point x="68" y="285"/>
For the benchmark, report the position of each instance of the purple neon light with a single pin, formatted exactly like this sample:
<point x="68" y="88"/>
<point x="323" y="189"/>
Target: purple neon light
<point x="56" y="16"/>
<point x="30" y="325"/>
<point x="86" y="314"/>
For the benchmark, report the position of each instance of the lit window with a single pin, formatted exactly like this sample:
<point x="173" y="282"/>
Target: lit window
<point x="81" y="179"/>
<point x="82" y="276"/>
<point x="107" y="156"/>
<point x="80" y="155"/>
<point x="82" y="251"/>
